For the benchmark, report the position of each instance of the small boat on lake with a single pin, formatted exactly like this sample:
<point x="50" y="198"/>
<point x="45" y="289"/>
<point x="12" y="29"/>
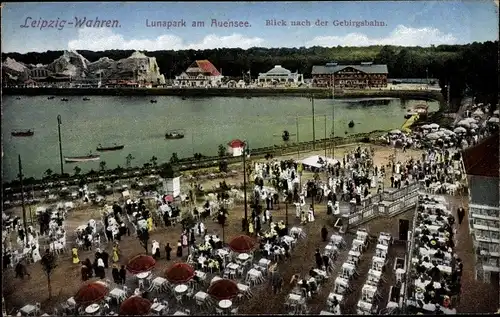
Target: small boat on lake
<point x="174" y="135"/>
<point x="23" y="133"/>
<point x="50" y="98"/>
<point x="351" y="124"/>
<point x="153" y="101"/>
<point x="85" y="158"/>
<point x="114" y="147"/>
<point x="64" y="99"/>
<point x="86" y="99"/>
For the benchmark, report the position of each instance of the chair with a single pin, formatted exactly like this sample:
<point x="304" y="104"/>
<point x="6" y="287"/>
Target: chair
<point x="141" y="284"/>
<point x="178" y="298"/>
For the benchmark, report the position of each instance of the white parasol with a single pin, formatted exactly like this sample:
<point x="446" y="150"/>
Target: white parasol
<point x="493" y="119"/>
<point x="496" y="112"/>
<point x="434" y="126"/>
<point x="426" y="127"/>
<point x="396" y="131"/>
<point x="478" y="112"/>
<point x="460" y="130"/>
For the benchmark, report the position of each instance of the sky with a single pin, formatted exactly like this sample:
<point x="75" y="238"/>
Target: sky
<point x="38" y="27"/>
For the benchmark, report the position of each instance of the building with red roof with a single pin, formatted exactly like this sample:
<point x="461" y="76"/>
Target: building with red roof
<point x="481" y="163"/>
<point x="201" y="73"/>
<point x="236" y="147"/>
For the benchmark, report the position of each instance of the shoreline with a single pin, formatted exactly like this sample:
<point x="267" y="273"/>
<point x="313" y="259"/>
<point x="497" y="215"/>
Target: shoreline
<point x="190" y="163"/>
<point x="228" y="92"/>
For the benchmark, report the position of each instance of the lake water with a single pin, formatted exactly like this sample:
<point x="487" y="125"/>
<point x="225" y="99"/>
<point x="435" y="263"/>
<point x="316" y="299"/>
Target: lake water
<point x="141" y="126"/>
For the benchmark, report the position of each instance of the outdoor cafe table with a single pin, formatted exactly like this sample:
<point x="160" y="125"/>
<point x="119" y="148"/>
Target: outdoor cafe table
<point x="28" y="309"/>
<point x="225" y="304"/>
<point x="91" y="309"/>
<point x="157" y="307"/>
<point x="143" y="275"/>
<point x="243" y="256"/>
<point x="181" y="288"/>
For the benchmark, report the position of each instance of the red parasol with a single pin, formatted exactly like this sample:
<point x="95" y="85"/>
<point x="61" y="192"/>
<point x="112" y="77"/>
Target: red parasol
<point x="179" y="273"/>
<point x="169" y="198"/>
<point x="91" y="293"/>
<point x="242" y="244"/>
<point x="141" y="263"/>
<point x="135" y="306"/>
<point x="223" y="289"/>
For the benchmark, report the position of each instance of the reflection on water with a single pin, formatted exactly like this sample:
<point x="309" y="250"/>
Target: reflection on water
<point x="141" y="125"/>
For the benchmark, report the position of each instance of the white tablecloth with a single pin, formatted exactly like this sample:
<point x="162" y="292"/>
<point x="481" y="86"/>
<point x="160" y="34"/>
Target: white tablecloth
<point x="225" y="304"/>
<point x="92" y="309"/>
<point x="181" y="288"/>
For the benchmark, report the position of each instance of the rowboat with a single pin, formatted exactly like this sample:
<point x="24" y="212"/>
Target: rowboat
<point x="115" y="147"/>
<point x="173" y="135"/>
<point x="351" y="124"/>
<point x="85" y="158"/>
<point x="23" y="133"/>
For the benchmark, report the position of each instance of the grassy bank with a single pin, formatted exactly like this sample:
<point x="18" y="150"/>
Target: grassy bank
<point x="226" y="92"/>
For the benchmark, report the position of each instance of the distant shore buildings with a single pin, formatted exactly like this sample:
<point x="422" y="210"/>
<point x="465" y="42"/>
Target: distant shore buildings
<point x="138" y="70"/>
<point x="365" y="75"/>
<point x="279" y="76"/>
<point x="201" y="73"/>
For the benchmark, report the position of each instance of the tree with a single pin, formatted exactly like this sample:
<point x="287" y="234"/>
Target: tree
<point x="128" y="160"/>
<point x="167" y="171"/>
<point x="77" y="170"/>
<point x="143" y="236"/>
<point x="154" y="160"/>
<point x="49" y="173"/>
<point x="102" y="166"/>
<point x="174" y="159"/>
<point x="49" y="264"/>
<point x="221" y="150"/>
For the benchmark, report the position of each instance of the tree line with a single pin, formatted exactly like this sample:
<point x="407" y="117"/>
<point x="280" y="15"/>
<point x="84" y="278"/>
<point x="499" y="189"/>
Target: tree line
<point x="472" y="67"/>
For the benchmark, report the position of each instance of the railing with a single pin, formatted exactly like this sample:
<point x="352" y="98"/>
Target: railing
<point x="406" y="290"/>
<point x="385" y="204"/>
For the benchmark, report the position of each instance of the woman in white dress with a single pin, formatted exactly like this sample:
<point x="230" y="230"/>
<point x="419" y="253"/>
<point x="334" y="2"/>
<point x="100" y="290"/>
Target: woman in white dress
<point x="310" y="215"/>
<point x="36" y="253"/>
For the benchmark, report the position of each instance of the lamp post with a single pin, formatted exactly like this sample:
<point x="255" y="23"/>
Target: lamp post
<point x="244" y="184"/>
<point x="60" y="144"/>
<point x="298" y="140"/>
<point x="314" y="130"/>
<point x="22" y="200"/>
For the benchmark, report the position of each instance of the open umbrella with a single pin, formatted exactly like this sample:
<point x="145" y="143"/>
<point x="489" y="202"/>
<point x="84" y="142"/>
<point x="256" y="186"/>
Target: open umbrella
<point x="493" y="119"/>
<point x="169" y="198"/>
<point x="434" y="126"/>
<point x="242" y="244"/>
<point x="223" y="289"/>
<point x="426" y="127"/>
<point x="141" y="263"/>
<point x="496" y="112"/>
<point x="135" y="306"/>
<point x="179" y="273"/>
<point x="460" y="130"/>
<point x="395" y="132"/>
<point x="91" y="293"/>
